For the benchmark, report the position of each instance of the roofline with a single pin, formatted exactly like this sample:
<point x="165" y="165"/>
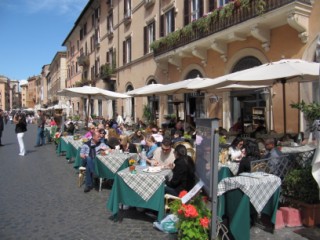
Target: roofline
<point x="77" y="21"/>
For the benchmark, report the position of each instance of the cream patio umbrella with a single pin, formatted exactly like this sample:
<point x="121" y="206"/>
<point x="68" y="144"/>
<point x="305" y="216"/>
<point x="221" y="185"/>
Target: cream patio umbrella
<point x="285" y="70"/>
<point x="140" y="91"/>
<point x="91" y="93"/>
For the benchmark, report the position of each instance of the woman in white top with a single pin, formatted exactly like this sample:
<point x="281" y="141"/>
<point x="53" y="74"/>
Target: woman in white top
<point x="235" y="149"/>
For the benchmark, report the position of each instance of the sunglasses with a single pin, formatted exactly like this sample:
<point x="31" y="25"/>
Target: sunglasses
<point x="166" y="149"/>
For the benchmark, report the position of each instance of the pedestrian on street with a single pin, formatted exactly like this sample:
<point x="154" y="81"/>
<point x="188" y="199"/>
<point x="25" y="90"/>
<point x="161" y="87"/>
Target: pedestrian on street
<point x="41" y="140"/>
<point x="88" y="152"/>
<point x="21" y="127"/>
<point x="1" y="126"/>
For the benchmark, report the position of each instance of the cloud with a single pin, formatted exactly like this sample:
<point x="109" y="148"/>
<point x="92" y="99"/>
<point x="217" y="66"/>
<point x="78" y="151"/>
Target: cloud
<point x="61" y="7"/>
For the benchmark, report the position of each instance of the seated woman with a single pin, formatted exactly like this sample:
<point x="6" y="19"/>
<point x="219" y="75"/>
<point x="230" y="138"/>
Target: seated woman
<point x="137" y="137"/>
<point x="235" y="149"/>
<point x="183" y="170"/>
<point x="70" y="128"/>
<point x="52" y="122"/>
<point x="126" y="146"/>
<point x="250" y="151"/>
<point x="152" y="146"/>
<point x="88" y="134"/>
<point x="113" y="138"/>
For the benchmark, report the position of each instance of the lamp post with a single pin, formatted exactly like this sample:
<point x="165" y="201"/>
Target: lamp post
<point x="265" y="94"/>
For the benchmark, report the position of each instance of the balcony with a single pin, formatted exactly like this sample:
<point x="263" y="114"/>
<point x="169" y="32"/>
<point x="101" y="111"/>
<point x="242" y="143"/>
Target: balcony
<point x="107" y="72"/>
<point x="83" y="60"/>
<point x="234" y="22"/>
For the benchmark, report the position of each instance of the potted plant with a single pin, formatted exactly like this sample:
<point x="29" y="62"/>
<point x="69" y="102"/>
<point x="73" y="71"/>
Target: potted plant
<point x="310" y="111"/>
<point x="194" y="217"/>
<point x="132" y="167"/>
<point x="301" y="190"/>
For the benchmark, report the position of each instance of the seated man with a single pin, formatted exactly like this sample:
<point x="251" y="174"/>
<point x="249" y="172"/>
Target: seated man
<point x="163" y="155"/>
<point x="88" y="152"/>
<point x="274" y="153"/>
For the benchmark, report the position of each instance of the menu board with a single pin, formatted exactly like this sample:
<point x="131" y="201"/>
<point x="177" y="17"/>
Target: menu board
<point x="205" y="151"/>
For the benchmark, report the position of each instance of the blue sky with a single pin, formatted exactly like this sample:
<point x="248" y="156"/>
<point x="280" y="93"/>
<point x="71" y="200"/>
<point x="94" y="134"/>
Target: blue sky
<point x="32" y="31"/>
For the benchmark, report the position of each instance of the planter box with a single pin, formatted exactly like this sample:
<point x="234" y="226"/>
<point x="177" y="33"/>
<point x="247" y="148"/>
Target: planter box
<point x="310" y="213"/>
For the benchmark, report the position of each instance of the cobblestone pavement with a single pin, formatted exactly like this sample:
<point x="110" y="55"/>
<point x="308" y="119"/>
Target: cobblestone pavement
<point x="40" y="199"/>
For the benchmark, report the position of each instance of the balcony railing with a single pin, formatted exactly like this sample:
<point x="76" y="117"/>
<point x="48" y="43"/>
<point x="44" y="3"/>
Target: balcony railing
<point x="220" y="19"/>
<point x="107" y="71"/>
<point x="83" y="60"/>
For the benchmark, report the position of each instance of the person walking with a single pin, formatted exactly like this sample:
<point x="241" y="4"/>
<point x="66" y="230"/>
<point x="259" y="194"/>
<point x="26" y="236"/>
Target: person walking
<point x="41" y="140"/>
<point x="21" y="128"/>
<point x="1" y="126"/>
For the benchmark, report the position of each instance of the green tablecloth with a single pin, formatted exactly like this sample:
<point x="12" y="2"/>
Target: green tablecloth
<point x="63" y="146"/>
<point x="224" y="172"/>
<point x="236" y="206"/>
<point x="122" y="193"/>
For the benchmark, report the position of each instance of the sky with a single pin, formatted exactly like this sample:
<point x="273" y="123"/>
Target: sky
<point x="32" y="32"/>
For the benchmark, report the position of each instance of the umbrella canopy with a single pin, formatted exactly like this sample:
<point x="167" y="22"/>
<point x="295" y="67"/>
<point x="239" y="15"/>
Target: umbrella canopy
<point x="172" y="88"/>
<point x="91" y="92"/>
<point x="293" y="70"/>
<point x="266" y="74"/>
<point x="142" y="90"/>
<point x="233" y="87"/>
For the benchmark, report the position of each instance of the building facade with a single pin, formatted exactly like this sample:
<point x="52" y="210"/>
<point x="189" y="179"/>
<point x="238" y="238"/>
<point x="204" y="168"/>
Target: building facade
<point x="123" y="45"/>
<point x="56" y="77"/>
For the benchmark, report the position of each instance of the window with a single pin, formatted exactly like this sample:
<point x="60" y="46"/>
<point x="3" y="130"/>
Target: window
<point x="100" y="108"/>
<point x="223" y="2"/>
<point x="97" y="67"/>
<point x="193" y="10"/>
<point x="149" y="36"/>
<point x="127" y="51"/>
<point x="170" y="104"/>
<point x="111" y="57"/>
<point x="127" y="8"/>
<point x="167" y="23"/>
<point x="110" y="23"/>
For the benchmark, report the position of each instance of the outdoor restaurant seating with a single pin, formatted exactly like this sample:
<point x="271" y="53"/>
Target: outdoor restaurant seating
<point x="235" y="201"/>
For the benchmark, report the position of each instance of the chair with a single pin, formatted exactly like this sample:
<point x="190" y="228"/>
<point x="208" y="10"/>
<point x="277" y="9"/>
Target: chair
<point x="260" y="167"/>
<point x="278" y="166"/>
<point x="192" y="153"/>
<point x="82" y="173"/>
<point x="186" y="144"/>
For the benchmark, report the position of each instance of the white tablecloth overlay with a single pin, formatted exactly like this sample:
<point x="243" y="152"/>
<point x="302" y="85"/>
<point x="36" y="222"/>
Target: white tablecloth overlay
<point x="76" y="143"/>
<point x="67" y="138"/>
<point x="113" y="161"/>
<point x="298" y="149"/>
<point x="259" y="188"/>
<point x="144" y="184"/>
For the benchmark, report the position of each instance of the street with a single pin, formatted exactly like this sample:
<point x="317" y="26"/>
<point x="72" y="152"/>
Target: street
<point x="40" y="199"/>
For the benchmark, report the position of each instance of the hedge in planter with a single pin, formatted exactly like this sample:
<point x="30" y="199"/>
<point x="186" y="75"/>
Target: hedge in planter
<point x="301" y="190"/>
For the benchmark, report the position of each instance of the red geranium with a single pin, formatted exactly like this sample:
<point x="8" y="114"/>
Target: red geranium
<point x="190" y="211"/>
<point x="182" y="193"/>
<point x="204" y="222"/>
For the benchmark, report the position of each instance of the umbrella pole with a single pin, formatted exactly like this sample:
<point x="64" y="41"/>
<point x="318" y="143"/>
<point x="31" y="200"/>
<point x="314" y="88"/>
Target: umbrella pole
<point x="283" y="81"/>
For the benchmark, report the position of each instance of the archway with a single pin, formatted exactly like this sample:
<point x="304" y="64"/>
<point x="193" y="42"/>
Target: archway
<point x="244" y="102"/>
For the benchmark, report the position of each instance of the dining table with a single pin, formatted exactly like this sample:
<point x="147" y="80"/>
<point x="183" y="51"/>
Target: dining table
<point x="242" y="196"/>
<point x="140" y="188"/>
<point x="106" y="166"/>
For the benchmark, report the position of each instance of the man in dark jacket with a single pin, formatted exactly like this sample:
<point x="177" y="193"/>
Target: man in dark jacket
<point x="1" y="126"/>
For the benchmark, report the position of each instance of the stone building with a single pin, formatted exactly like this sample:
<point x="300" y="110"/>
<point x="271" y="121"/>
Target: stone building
<point x="123" y="45"/>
